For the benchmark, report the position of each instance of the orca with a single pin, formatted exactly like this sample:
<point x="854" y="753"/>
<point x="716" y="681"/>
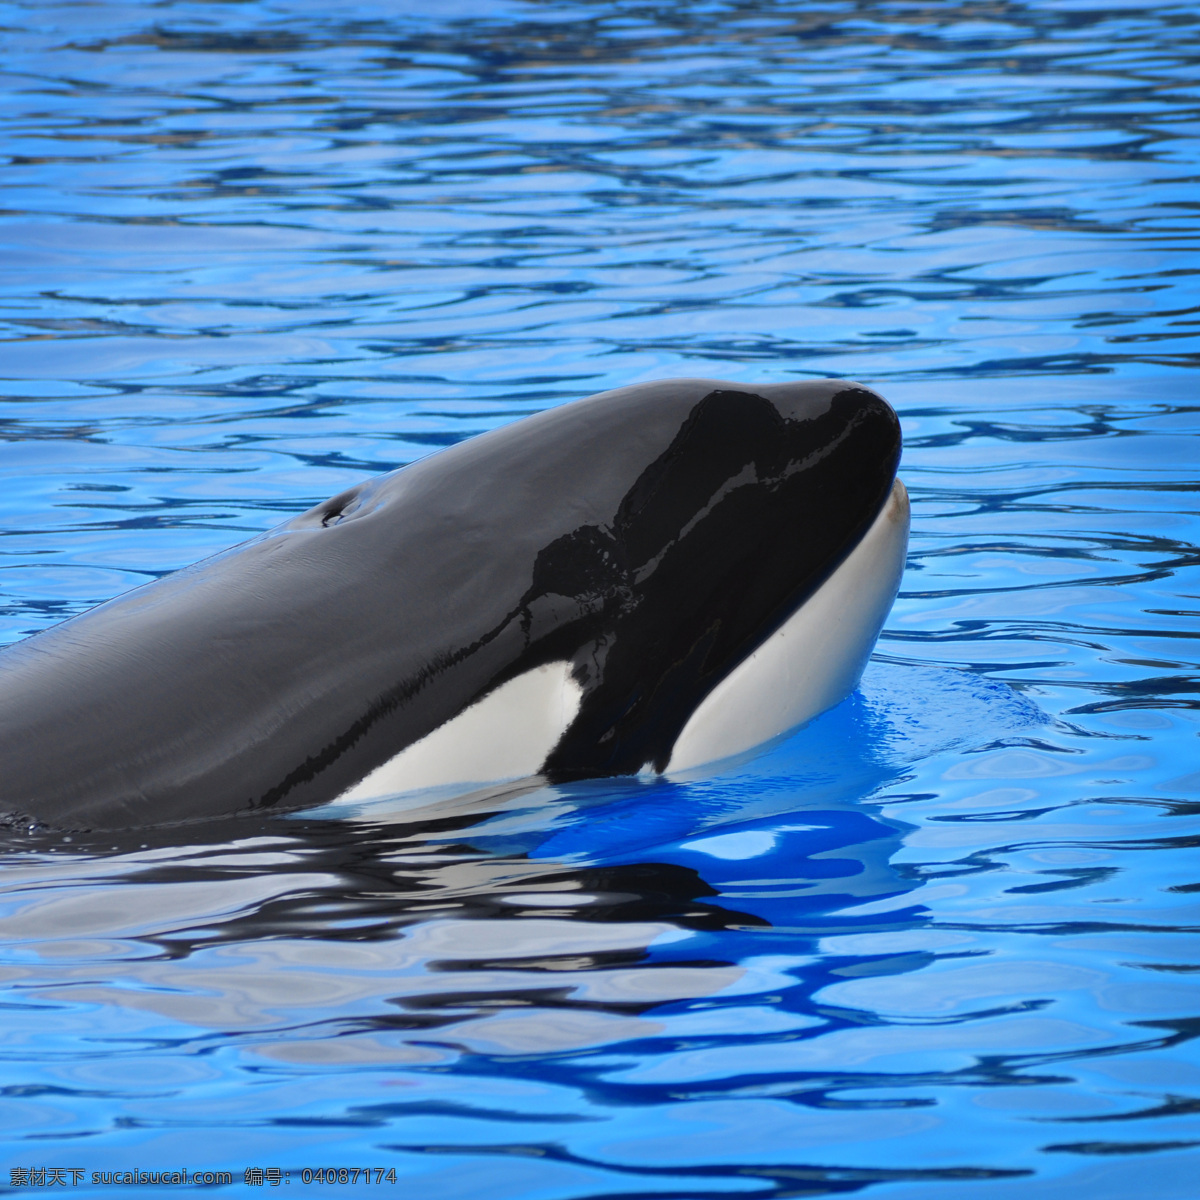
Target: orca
<point x="647" y="580"/>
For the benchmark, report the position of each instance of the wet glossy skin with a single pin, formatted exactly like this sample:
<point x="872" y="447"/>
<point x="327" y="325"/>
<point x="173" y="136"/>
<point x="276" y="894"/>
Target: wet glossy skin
<point x="653" y="536"/>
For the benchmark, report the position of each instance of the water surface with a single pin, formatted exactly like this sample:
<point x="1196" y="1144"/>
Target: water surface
<point x="940" y="943"/>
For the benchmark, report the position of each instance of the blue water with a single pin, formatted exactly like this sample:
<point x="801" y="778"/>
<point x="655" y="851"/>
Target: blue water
<point x="942" y="943"/>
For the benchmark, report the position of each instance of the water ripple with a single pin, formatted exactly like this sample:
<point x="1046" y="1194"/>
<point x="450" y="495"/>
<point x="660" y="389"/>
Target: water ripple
<point x="940" y="942"/>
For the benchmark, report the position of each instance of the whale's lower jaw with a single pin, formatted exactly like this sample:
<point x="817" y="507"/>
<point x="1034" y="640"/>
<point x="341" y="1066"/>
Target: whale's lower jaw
<point x="814" y="660"/>
<point x="808" y="665"/>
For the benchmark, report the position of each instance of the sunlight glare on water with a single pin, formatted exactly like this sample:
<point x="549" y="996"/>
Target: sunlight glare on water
<point x="939" y="943"/>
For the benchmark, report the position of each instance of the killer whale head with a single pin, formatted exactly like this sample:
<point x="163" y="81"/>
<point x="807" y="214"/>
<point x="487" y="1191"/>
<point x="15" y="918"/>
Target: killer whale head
<point x="648" y="579"/>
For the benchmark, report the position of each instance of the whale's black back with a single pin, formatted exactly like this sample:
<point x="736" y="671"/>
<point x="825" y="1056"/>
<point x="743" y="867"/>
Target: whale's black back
<point x="653" y="536"/>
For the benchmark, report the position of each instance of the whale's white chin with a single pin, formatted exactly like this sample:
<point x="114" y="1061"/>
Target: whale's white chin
<point x="814" y="660"/>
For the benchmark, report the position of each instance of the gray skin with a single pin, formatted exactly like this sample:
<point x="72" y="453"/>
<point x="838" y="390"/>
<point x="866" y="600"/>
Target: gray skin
<point x="653" y="536"/>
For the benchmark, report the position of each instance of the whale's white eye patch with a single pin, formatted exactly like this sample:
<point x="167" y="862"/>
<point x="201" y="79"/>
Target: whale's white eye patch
<point x="507" y="735"/>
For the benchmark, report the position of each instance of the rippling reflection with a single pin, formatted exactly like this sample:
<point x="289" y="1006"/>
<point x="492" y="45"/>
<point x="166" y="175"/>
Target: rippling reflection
<point x="942" y="942"/>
